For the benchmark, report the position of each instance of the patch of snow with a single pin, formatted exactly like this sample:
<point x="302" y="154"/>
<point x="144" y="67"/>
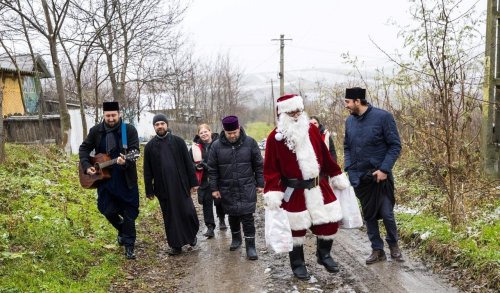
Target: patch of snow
<point x="426" y="235"/>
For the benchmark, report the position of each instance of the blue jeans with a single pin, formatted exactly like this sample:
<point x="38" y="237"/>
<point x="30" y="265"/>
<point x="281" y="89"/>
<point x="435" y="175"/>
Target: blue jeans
<point x="387" y="214"/>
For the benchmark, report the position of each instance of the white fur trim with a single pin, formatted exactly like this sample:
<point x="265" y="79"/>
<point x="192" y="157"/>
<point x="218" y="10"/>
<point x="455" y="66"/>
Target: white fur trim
<point x="298" y="241"/>
<point x="316" y="206"/>
<point x="300" y="220"/>
<point x="334" y="211"/>
<point x="272" y="199"/>
<point x="340" y="181"/>
<point x="327" y="237"/>
<point x="291" y="104"/>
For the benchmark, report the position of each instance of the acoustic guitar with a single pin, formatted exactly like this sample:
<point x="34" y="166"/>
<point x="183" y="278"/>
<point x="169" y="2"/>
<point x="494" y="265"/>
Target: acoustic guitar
<point x="101" y="162"/>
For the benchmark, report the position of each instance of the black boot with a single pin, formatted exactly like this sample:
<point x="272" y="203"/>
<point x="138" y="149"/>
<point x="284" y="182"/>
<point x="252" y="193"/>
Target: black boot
<point x="129" y="252"/>
<point x="210" y="232"/>
<point x="250" y="246"/>
<point x="298" y="264"/>
<point x="222" y="224"/>
<point x="236" y="242"/>
<point x="323" y="254"/>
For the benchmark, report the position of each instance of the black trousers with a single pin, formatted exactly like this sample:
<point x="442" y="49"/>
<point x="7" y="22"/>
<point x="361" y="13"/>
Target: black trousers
<point x="248" y="222"/>
<point x="205" y="195"/>
<point x="122" y="217"/>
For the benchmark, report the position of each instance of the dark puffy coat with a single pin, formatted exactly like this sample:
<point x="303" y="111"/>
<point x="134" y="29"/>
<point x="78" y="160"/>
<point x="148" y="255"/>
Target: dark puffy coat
<point x="235" y="171"/>
<point x="93" y="140"/>
<point x="371" y="143"/>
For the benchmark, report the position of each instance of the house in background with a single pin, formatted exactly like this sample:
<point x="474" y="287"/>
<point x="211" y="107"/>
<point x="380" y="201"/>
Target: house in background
<point x="22" y="89"/>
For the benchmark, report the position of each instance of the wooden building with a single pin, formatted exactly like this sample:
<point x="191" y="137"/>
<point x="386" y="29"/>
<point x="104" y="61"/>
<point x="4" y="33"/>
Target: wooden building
<point x="22" y="89"/>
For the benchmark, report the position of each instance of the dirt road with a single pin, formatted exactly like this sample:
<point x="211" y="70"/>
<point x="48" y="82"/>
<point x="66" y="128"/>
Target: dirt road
<point x="211" y="267"/>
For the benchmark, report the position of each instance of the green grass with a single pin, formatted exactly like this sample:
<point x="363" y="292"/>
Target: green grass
<point x="259" y="130"/>
<point x="473" y="248"/>
<point x="52" y="238"/>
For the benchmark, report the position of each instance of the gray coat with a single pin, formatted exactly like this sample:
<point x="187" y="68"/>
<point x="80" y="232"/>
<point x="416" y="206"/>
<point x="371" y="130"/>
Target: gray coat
<point x="235" y="170"/>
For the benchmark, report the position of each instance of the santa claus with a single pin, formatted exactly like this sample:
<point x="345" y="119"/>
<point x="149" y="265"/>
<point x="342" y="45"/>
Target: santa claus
<point x="297" y="168"/>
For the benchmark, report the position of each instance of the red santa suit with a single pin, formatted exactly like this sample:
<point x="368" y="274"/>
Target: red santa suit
<point x="317" y="208"/>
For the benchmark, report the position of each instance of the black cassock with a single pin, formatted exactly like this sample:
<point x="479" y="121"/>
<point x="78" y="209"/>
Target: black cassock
<point x="169" y="174"/>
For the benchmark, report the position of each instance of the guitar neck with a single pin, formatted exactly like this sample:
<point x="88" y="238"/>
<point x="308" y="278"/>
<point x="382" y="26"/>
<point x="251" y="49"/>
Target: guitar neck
<point x="107" y="163"/>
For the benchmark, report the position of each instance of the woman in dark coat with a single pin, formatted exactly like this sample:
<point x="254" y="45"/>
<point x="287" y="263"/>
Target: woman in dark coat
<point x="199" y="151"/>
<point x="169" y="175"/>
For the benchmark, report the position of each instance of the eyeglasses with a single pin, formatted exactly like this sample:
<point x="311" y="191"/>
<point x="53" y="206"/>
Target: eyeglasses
<point x="294" y="113"/>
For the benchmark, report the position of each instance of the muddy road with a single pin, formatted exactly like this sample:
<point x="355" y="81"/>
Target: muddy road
<point x="211" y="267"/>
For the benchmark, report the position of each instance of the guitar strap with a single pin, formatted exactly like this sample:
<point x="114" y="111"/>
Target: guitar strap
<point x="124" y="135"/>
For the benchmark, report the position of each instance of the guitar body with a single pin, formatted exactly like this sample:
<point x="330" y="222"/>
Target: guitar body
<point x="92" y="181"/>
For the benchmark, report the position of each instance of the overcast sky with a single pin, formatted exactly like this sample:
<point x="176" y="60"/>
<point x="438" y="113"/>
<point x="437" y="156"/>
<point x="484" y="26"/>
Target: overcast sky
<point x="321" y="31"/>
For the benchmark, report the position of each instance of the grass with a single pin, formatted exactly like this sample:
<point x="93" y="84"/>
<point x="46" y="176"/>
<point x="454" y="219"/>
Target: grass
<point x="52" y="237"/>
<point x="258" y="130"/>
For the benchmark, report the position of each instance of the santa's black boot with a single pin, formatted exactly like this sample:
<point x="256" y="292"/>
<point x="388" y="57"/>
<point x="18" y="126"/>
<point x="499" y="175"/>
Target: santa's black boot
<point x="236" y="241"/>
<point x="298" y="264"/>
<point x="323" y="254"/>
<point x="250" y="247"/>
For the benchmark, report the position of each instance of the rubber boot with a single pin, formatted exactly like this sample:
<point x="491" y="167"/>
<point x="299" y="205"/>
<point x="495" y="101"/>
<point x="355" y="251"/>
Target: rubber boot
<point x="250" y="246"/>
<point x="298" y="264"/>
<point x="323" y="247"/>
<point x="210" y="232"/>
<point x="236" y="242"/>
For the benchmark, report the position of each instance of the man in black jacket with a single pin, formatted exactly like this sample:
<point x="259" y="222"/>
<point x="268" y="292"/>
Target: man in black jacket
<point x="235" y="168"/>
<point x="117" y="197"/>
<point x="169" y="175"/>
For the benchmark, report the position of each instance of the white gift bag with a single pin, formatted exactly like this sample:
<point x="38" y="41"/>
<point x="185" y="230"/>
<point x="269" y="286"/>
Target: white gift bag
<point x="351" y="215"/>
<point x="278" y="232"/>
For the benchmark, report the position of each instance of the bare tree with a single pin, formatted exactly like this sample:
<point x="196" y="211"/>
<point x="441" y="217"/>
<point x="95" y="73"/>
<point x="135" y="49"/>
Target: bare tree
<point x="137" y="28"/>
<point x="438" y="93"/>
<point x="49" y="27"/>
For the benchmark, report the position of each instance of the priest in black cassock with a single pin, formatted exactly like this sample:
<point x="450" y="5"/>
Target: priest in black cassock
<point x="170" y="176"/>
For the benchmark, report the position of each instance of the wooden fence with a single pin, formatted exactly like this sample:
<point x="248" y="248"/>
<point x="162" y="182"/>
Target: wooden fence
<point x="26" y="130"/>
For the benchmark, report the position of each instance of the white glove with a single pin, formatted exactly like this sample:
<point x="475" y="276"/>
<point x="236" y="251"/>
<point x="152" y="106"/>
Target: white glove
<point x="272" y="199"/>
<point x="340" y="181"/>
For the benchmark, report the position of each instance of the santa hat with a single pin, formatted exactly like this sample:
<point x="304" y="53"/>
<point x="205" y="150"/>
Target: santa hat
<point x="290" y="103"/>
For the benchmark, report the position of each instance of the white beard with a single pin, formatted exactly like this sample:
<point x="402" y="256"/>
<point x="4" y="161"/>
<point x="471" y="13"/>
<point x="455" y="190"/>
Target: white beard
<point x="294" y="130"/>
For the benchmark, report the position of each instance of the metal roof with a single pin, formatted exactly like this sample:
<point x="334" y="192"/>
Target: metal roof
<point x="25" y="64"/>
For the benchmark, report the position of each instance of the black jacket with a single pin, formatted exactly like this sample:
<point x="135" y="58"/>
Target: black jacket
<point x="235" y="170"/>
<point x="153" y="172"/>
<point x="93" y="141"/>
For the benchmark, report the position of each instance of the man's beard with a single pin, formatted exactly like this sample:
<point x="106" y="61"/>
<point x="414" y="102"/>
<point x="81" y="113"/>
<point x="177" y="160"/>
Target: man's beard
<point x="233" y="139"/>
<point x="161" y="132"/>
<point x="294" y="130"/>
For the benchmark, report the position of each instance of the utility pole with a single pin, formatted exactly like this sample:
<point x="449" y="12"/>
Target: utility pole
<point x="273" y="110"/>
<point x="490" y="136"/>
<point x="281" y="74"/>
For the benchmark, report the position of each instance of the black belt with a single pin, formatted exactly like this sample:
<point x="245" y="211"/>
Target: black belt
<point x="301" y="184"/>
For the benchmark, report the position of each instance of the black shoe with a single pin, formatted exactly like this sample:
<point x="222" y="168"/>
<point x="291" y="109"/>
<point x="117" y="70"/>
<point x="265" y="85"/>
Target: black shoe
<point x="129" y="252"/>
<point x="222" y="224"/>
<point x="323" y="248"/>
<point x="174" y="251"/>
<point x="195" y="241"/>
<point x="236" y="241"/>
<point x="119" y="239"/>
<point x="210" y="232"/>
<point x="250" y="247"/>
